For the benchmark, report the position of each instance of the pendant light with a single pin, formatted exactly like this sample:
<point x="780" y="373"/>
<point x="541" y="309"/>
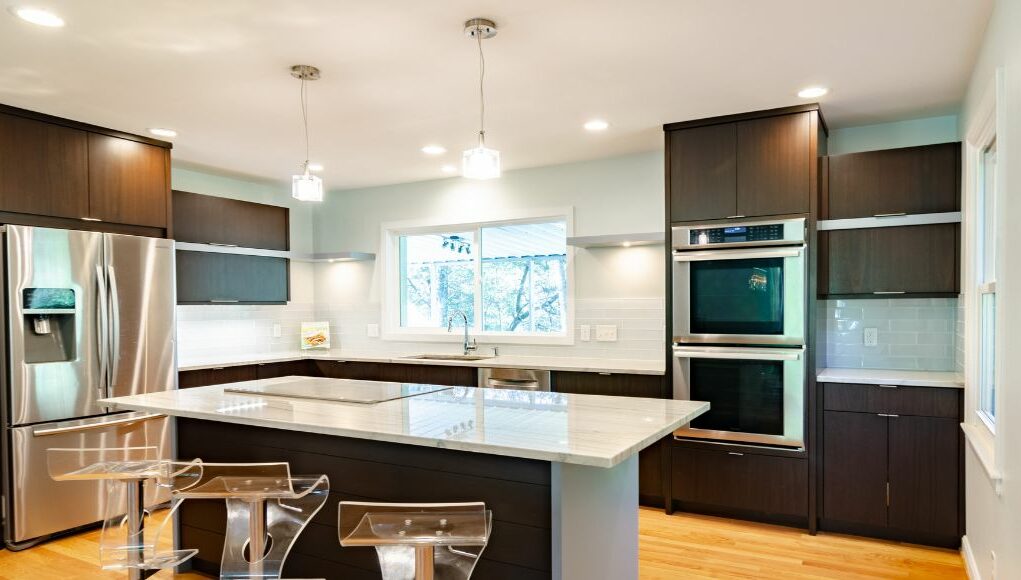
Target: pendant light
<point x="306" y="186"/>
<point x="481" y="162"/>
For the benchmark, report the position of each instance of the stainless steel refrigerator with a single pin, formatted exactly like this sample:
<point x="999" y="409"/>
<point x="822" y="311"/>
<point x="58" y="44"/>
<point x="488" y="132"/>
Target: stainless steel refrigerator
<point x="88" y="315"/>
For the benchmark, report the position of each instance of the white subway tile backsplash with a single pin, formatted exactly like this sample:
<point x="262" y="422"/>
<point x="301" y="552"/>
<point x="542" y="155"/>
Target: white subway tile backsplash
<point x="914" y="333"/>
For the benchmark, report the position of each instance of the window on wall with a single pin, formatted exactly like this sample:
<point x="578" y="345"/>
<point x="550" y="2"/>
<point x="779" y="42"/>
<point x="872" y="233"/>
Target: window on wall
<point x="985" y="261"/>
<point x="507" y="278"/>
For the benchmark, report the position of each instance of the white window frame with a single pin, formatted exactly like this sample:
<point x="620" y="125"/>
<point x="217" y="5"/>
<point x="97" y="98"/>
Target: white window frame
<point x="980" y="430"/>
<point x="391" y="307"/>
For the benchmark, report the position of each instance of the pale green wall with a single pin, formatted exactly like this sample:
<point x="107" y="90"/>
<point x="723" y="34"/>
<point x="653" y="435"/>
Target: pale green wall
<point x="250" y="189"/>
<point x="925" y="131"/>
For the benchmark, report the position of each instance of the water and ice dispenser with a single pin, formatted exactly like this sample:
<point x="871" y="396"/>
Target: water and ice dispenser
<point x="50" y="321"/>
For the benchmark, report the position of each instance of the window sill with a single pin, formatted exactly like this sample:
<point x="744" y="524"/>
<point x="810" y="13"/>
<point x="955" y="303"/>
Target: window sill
<point x="983" y="445"/>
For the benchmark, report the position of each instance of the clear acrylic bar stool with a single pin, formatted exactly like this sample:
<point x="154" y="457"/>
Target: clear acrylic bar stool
<point x="125" y="473"/>
<point x="420" y="541"/>
<point x="267" y="509"/>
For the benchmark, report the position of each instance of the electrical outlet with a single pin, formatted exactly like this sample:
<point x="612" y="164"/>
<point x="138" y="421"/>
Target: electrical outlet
<point x="372" y="330"/>
<point x="606" y="332"/>
<point x="585" y="333"/>
<point x="277" y="332"/>
<point x="871" y="337"/>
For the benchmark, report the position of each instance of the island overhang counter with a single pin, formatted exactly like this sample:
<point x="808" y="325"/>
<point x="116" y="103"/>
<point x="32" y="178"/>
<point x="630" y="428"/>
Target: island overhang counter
<point x="559" y="471"/>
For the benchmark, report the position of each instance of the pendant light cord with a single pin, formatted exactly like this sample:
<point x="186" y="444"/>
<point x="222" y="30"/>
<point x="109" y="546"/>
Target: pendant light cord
<point x="304" y="115"/>
<point x="482" y="89"/>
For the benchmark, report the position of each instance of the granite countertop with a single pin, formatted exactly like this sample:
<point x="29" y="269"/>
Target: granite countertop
<point x="947" y="379"/>
<point x="592" y="365"/>
<point x="590" y="430"/>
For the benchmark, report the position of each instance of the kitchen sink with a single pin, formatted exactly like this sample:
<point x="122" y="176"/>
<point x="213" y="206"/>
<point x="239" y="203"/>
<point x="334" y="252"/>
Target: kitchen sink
<point x="448" y="357"/>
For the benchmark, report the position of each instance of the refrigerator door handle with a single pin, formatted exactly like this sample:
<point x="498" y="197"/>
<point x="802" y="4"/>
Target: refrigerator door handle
<point x="115" y="328"/>
<point x="102" y="332"/>
<point x="96" y="425"/>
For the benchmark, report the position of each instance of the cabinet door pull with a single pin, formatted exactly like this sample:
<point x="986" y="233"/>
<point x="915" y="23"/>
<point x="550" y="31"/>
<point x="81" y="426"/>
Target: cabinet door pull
<point x="888" y="494"/>
<point x="894" y="214"/>
<point x="734" y="217"/>
<point x="217" y="368"/>
<point x="887" y="386"/>
<point x="735" y="453"/>
<point x="222" y="245"/>
<point x="887" y="415"/>
<point x="889" y="292"/>
<point x="224" y="301"/>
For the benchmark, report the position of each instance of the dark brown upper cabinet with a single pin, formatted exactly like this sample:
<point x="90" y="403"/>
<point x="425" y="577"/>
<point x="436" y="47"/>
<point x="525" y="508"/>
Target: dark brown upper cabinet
<point x="44" y="168"/>
<point x="208" y="219"/>
<point x="56" y="173"/>
<point x="890" y="261"/>
<point x="911" y="180"/>
<point x="747" y="165"/>
<point x="215" y="278"/>
<point x="128" y="181"/>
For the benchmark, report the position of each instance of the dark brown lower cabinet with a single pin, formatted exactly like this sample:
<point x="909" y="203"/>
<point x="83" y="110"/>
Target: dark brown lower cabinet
<point x="742" y="484"/>
<point x="401" y="373"/>
<point x="216" y="376"/>
<point x="215" y="278"/>
<point x="618" y="385"/>
<point x="888" y="474"/>
<point x="298" y="368"/>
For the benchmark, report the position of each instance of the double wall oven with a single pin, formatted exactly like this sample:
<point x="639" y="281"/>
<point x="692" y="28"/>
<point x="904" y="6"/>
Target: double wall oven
<point x="740" y="294"/>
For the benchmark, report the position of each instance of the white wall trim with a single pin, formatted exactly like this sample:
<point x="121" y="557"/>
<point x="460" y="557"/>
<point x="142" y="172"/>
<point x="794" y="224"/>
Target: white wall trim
<point x="983" y="445"/>
<point x="970" y="566"/>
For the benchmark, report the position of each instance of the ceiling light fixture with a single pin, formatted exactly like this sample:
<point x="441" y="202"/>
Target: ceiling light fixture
<point x="305" y="186"/>
<point x="448" y="169"/>
<point x="812" y="92"/>
<point x="434" y="149"/>
<point x="596" y="125"/>
<point x="315" y="167"/>
<point x="162" y="132"/>
<point x="38" y="16"/>
<point x="481" y="162"/>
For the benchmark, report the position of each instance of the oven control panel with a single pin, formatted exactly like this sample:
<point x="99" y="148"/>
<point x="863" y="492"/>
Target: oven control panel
<point x="736" y="234"/>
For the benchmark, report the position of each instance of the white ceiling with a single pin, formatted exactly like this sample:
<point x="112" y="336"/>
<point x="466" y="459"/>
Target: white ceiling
<point x="399" y="74"/>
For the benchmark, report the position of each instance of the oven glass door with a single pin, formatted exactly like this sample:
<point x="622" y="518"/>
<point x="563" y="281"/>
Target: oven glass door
<point x="737" y="296"/>
<point x="745" y="396"/>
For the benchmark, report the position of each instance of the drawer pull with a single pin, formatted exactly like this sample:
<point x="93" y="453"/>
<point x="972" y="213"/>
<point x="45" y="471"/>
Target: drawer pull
<point x="887" y="415"/>
<point x="224" y="301"/>
<point x="735" y="453"/>
<point x="734" y="217"/>
<point x="887" y="386"/>
<point x="882" y="292"/>
<point x="218" y="244"/>
<point x="895" y="214"/>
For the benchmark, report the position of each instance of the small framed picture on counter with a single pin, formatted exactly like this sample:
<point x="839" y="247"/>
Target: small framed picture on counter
<point x="315" y="335"/>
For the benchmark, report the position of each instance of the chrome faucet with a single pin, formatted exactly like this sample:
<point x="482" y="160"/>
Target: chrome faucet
<point x="470" y="345"/>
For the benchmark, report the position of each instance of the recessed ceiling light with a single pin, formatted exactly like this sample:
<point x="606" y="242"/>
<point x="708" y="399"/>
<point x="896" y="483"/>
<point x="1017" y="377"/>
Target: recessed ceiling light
<point x="449" y="169"/>
<point x="37" y="16"/>
<point x="434" y="149"/>
<point x="315" y="166"/>
<point x="163" y="132"/>
<point x="812" y="92"/>
<point x="596" y="125"/>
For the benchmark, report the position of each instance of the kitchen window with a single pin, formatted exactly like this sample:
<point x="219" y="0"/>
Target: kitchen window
<point x="510" y="279"/>
<point x="985" y="263"/>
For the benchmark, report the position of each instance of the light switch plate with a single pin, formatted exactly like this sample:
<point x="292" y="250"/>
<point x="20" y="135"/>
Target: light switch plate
<point x="871" y="336"/>
<point x="585" y="333"/>
<point x="372" y="330"/>
<point x="606" y="332"/>
<point x="277" y="332"/>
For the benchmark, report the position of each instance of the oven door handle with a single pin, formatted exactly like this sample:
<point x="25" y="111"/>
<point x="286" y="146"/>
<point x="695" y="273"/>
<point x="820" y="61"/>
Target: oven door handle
<point x="791" y="354"/>
<point x="743" y="254"/>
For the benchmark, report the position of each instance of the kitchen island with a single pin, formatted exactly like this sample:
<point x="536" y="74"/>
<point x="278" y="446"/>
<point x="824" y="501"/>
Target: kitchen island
<point x="559" y="471"/>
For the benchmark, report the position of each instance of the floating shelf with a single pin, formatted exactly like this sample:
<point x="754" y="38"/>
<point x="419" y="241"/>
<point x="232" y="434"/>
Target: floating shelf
<point x="616" y="240"/>
<point x="296" y="256"/>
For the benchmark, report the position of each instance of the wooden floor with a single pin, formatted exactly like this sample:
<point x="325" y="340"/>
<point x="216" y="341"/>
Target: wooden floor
<point x="677" y="546"/>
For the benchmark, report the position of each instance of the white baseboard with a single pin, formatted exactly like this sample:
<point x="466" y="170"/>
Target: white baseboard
<point x="969" y="560"/>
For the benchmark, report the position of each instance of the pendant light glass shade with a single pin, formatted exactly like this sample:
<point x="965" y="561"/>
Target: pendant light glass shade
<point x="481" y="163"/>
<point x="307" y="187"/>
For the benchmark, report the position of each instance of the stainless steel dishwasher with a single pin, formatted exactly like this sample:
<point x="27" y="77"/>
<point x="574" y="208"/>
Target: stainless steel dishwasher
<point x="521" y="379"/>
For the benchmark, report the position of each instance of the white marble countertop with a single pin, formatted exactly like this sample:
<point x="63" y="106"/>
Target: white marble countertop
<point x="591" y="365"/>
<point x="590" y="430"/>
<point x="947" y="379"/>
